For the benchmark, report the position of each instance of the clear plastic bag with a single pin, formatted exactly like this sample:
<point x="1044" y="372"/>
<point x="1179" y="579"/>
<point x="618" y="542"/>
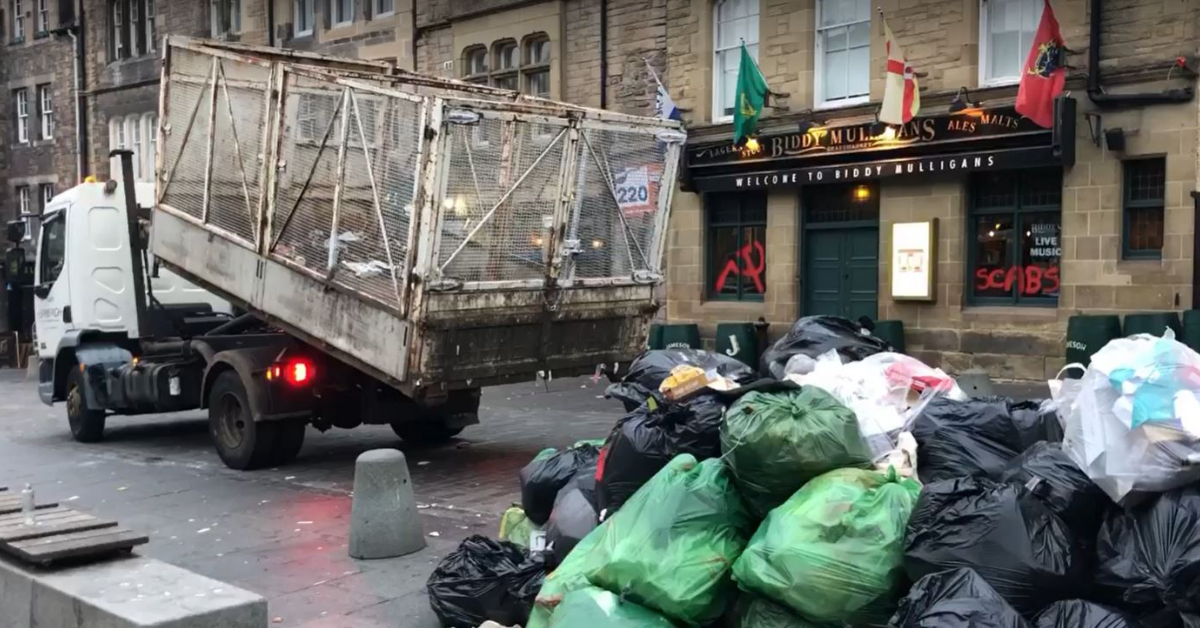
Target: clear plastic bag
<point x="885" y="391"/>
<point x="1134" y="424"/>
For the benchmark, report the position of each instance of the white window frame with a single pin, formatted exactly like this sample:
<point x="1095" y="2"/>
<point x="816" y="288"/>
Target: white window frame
<point x="985" y="49"/>
<point x="151" y="27"/>
<point x="43" y="17"/>
<point x="337" y="7"/>
<point x="22" y="98"/>
<point x="23" y="199"/>
<point x="135" y="15"/>
<point x="118" y="20"/>
<point x="136" y="132"/>
<point x="217" y="11"/>
<point x="302" y="9"/>
<point x="47" y="190"/>
<point x="819" y="65"/>
<point x="717" y="74"/>
<point x="150" y="132"/>
<point x="46" y="110"/>
<point x="18" y="7"/>
<point x="380" y="11"/>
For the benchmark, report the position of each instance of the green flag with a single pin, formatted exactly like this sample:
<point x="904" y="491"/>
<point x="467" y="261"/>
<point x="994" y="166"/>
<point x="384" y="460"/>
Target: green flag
<point x="750" y="98"/>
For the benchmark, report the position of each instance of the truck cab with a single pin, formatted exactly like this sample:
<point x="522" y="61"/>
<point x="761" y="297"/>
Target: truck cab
<point x="83" y="299"/>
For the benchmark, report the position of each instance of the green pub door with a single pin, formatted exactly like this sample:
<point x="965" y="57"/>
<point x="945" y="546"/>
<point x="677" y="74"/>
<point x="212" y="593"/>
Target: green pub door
<point x="840" y="251"/>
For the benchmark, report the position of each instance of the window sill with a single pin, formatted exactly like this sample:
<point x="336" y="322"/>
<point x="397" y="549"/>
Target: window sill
<point x="717" y="302"/>
<point x="16" y="42"/>
<point x="1001" y="82"/>
<point x="1011" y="313"/>
<point x="1140" y="264"/>
<point x="843" y="104"/>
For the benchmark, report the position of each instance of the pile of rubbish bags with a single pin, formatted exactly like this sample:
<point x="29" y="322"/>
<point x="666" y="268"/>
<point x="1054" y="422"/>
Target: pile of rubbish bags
<point x="846" y="485"/>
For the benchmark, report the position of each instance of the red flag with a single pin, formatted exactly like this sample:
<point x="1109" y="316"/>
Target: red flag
<point x="1043" y="75"/>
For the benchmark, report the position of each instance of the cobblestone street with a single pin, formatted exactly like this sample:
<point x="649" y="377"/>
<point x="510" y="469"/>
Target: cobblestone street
<point x="282" y="532"/>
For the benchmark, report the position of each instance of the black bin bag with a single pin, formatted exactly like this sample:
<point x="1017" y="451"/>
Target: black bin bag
<point x="1149" y="555"/>
<point x="647" y="372"/>
<point x="574" y="516"/>
<point x="955" y="598"/>
<point x="814" y="335"/>
<point x="485" y="579"/>
<point x="960" y="438"/>
<point x="1003" y="532"/>
<point x="1036" y="421"/>
<point x="1048" y="472"/>
<point x="1083" y="614"/>
<point x="644" y="441"/>
<point x="545" y="475"/>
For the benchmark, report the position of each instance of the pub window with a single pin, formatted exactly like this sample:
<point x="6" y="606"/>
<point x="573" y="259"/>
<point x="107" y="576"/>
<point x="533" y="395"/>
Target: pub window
<point x="734" y="21"/>
<point x="843" y="67"/>
<point x="1014" y="238"/>
<point x="1007" y="27"/>
<point x="736" y="246"/>
<point x="1142" y="221"/>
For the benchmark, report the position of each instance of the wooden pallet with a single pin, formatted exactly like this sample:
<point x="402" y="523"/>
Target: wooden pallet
<point x="62" y="533"/>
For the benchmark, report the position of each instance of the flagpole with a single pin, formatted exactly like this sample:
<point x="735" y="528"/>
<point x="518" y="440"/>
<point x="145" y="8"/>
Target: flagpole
<point x="653" y="73"/>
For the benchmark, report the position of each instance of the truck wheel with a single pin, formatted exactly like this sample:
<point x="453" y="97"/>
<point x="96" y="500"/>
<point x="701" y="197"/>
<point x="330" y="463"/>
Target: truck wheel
<point x="87" y="426"/>
<point x="289" y="438"/>
<point x="242" y="443"/>
<point x="423" y="433"/>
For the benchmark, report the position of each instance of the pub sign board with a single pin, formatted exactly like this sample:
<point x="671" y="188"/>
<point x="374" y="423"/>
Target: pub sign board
<point x="968" y="141"/>
<point x="924" y="134"/>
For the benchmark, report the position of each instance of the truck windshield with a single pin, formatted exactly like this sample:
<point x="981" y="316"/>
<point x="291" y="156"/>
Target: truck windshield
<point x="53" y="248"/>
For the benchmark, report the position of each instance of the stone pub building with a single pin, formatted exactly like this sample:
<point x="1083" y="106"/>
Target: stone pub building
<point x="980" y="230"/>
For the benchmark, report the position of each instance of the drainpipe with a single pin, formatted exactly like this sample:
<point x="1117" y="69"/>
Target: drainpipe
<point x="604" y="54"/>
<point x="1096" y="92"/>
<point x="77" y="80"/>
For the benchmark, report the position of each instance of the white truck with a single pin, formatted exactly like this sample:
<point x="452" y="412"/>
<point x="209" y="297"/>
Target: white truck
<point x="394" y="242"/>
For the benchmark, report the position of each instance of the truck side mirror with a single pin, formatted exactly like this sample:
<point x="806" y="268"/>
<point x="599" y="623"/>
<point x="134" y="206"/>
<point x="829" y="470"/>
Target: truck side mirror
<point x="16" y="231"/>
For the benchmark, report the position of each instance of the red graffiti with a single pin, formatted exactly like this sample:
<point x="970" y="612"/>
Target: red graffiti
<point x="1030" y="280"/>
<point x="747" y="269"/>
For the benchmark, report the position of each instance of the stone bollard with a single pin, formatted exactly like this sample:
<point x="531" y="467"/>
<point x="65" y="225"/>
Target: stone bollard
<point x="384" y="522"/>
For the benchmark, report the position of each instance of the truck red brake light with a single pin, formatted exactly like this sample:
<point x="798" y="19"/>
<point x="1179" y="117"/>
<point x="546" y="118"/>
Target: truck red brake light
<point x="298" y="372"/>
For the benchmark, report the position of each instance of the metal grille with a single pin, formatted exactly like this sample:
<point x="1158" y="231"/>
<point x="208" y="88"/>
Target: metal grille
<point x="344" y="201"/>
<point x="213" y="146"/>
<point x="498" y="208"/>
<point x="187" y="132"/>
<point x="234" y="188"/>
<point x="616" y="203"/>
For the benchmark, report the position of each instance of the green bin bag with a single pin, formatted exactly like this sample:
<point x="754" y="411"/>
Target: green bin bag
<point x="834" y="551"/>
<point x="596" y="608"/>
<point x="515" y="527"/>
<point x="775" y="442"/>
<point x="670" y="548"/>
<point x="566" y="578"/>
